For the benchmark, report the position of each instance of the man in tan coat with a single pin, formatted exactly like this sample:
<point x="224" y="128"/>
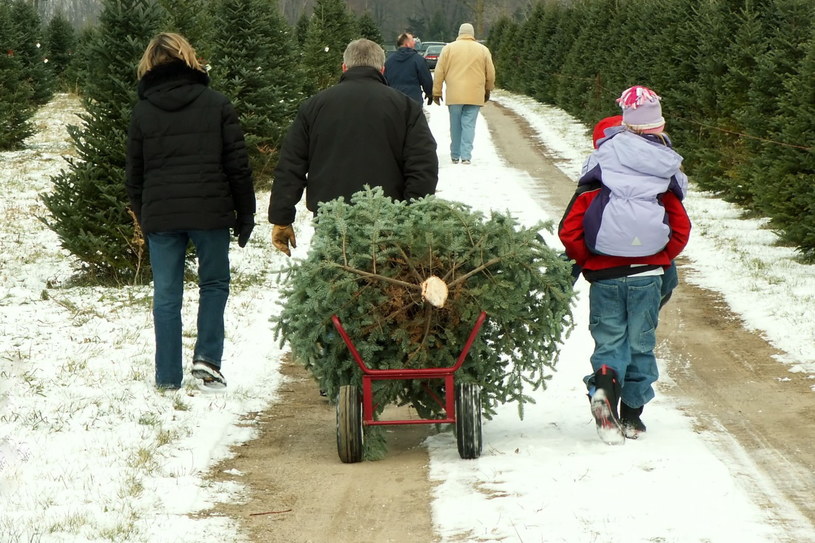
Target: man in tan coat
<point x="465" y="67"/>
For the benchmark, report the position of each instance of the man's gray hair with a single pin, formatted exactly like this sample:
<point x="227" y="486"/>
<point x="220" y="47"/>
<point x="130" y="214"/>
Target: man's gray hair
<point x="364" y="52"/>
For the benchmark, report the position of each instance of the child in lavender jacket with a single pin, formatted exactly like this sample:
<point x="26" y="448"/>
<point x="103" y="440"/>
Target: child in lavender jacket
<point x="624" y="226"/>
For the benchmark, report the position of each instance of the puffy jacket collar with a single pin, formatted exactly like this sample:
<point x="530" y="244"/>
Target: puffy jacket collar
<point x="358" y="73"/>
<point x="172" y="86"/>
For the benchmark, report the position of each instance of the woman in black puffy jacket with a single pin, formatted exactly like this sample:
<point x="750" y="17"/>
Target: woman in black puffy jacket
<point x="188" y="180"/>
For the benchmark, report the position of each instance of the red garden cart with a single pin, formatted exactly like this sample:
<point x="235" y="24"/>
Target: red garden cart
<point x="461" y="404"/>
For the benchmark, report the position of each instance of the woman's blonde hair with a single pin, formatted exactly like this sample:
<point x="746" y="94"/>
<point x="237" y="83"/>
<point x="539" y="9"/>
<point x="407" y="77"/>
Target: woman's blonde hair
<point x="167" y="47"/>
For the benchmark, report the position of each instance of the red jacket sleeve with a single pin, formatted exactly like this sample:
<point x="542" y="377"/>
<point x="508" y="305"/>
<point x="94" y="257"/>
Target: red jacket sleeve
<point x="680" y="224"/>
<point x="571" y="230"/>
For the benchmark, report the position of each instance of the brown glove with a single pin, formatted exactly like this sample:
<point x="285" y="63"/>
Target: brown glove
<point x="282" y="237"/>
<point x="437" y="100"/>
<point x="486" y="96"/>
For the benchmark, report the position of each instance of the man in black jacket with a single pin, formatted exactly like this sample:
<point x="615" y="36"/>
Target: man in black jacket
<point x="356" y="133"/>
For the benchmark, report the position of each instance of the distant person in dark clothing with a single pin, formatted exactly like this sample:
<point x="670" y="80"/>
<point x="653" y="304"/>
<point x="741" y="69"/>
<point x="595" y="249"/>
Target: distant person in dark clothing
<point x="356" y="133"/>
<point x="188" y="180"/>
<point x="407" y="71"/>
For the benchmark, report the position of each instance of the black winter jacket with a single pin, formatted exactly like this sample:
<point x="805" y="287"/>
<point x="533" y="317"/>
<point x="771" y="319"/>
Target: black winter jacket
<point x="407" y="71"/>
<point x="358" y="132"/>
<point x="187" y="165"/>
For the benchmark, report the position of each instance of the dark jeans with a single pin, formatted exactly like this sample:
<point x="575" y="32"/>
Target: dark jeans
<point x="167" y="257"/>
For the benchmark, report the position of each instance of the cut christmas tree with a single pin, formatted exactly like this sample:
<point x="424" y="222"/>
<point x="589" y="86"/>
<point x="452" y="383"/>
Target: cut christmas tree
<point x="408" y="281"/>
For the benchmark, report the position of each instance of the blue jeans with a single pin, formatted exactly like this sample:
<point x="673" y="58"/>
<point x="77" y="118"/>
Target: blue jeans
<point x="462" y="130"/>
<point x="167" y="257"/>
<point x="623" y="318"/>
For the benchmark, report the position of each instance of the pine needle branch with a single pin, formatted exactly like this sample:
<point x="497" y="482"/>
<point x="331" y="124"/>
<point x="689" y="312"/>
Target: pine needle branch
<point x="475" y="247"/>
<point x="469" y="274"/>
<point x="410" y="265"/>
<point x="377" y="276"/>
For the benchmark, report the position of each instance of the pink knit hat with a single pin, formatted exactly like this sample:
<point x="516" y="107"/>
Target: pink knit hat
<point x="641" y="109"/>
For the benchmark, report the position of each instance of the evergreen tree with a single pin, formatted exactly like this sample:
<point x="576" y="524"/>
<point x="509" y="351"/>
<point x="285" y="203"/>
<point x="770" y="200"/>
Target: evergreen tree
<point x="502" y="45"/>
<point x="790" y="24"/>
<point x="613" y="73"/>
<point x="193" y="20"/>
<point x="88" y="204"/>
<point x="580" y="83"/>
<point x="76" y="74"/>
<point x="28" y="46"/>
<point x="61" y="43"/>
<point x="789" y="190"/>
<point x="439" y="28"/>
<point x="254" y="62"/>
<point x="301" y="30"/>
<point x="368" y="28"/>
<point x="498" y="35"/>
<point x="566" y="26"/>
<point x="16" y="107"/>
<point x="712" y="28"/>
<point x="680" y="46"/>
<point x="749" y="45"/>
<point x="368" y="264"/>
<point x="331" y="29"/>
<point x="520" y="79"/>
<point x="542" y="73"/>
<point x="418" y="27"/>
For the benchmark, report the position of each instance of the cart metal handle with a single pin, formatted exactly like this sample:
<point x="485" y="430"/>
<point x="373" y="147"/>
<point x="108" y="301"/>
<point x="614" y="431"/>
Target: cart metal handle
<point x="410" y="373"/>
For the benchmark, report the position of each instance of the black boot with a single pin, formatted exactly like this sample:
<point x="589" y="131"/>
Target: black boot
<point x="630" y="420"/>
<point x="604" y="396"/>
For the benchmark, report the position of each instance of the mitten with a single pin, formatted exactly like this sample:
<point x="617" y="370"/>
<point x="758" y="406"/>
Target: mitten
<point x="437" y="100"/>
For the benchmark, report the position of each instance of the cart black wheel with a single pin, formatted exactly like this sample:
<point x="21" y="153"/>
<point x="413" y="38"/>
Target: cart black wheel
<point x="468" y="420"/>
<point x="349" y="425"/>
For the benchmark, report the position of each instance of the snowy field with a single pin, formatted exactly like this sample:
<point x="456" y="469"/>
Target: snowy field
<point x="90" y="451"/>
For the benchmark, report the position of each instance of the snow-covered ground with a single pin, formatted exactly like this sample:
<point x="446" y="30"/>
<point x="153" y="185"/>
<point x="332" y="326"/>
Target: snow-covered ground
<point x="90" y="451"/>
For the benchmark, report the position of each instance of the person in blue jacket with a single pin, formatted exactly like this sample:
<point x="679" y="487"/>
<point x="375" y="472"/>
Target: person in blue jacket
<point x="407" y="71"/>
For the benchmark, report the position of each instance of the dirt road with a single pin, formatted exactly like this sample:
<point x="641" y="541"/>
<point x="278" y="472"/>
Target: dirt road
<point x="725" y="377"/>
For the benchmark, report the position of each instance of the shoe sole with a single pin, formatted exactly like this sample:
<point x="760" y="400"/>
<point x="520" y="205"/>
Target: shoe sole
<point x="210" y="377"/>
<point x="608" y="427"/>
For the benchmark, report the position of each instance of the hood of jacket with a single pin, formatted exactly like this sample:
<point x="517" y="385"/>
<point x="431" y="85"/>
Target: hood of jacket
<point x="404" y="54"/>
<point x="172" y="86"/>
<point x="639" y="154"/>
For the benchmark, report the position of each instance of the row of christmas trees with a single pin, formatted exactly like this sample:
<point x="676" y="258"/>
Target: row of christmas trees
<point x="737" y="78"/>
<point x="266" y="66"/>
<point x="32" y="58"/>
